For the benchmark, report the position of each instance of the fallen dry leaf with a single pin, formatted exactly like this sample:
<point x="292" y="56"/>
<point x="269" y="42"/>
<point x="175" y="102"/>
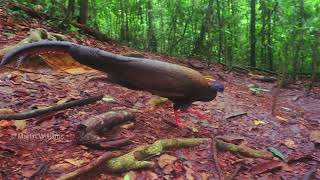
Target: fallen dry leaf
<point x="166" y="159"/>
<point x="258" y="122"/>
<point x="4" y="123"/>
<point x="315" y="136"/>
<point x="6" y="111"/>
<point x="20" y="124"/>
<point x="265" y="167"/>
<point x="60" y="166"/>
<point x="290" y="143"/>
<point x="76" y="162"/>
<point x="281" y="118"/>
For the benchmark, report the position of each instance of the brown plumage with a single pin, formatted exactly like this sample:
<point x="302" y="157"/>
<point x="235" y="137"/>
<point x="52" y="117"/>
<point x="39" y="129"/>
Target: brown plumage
<point x="180" y="84"/>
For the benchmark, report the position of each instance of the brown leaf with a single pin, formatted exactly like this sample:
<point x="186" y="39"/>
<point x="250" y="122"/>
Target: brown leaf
<point x="6" y="111"/>
<point x="20" y="124"/>
<point x="60" y="166"/>
<point x="290" y="143"/>
<point x="76" y="162"/>
<point x="4" y="123"/>
<point x="315" y="136"/>
<point x="232" y="138"/>
<point x="166" y="159"/>
<point x="265" y="167"/>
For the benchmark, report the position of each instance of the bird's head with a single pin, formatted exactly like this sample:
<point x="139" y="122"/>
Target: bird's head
<point x="216" y="86"/>
<point x="211" y="91"/>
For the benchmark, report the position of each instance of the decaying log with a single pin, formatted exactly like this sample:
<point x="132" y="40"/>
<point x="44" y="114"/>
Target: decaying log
<point x="269" y="79"/>
<point x="136" y="158"/>
<point x="244" y="150"/>
<point x="88" y="132"/>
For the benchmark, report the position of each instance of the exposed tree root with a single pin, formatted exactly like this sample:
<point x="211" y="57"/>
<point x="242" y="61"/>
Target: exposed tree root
<point x="244" y="150"/>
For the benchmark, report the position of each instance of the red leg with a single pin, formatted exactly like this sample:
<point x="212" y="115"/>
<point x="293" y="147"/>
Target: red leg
<point x="177" y="118"/>
<point x="197" y="113"/>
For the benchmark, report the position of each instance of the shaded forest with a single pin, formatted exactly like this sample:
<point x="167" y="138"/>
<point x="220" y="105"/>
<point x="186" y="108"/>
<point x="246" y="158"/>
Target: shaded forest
<point x="160" y="89"/>
<point x="274" y="35"/>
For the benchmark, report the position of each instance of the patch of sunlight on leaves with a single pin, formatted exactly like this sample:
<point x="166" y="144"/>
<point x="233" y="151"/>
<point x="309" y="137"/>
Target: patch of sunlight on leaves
<point x="108" y="99"/>
<point x="20" y="124"/>
<point x="158" y="101"/>
<point x="281" y="118"/>
<point x="258" y="122"/>
<point x="61" y="101"/>
<point x="78" y="70"/>
<point x="4" y="123"/>
<point x="256" y="89"/>
<point x="194" y="129"/>
<point x="126" y="177"/>
<point x="290" y="143"/>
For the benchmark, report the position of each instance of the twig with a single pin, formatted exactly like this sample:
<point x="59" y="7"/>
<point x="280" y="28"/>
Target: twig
<point x="235" y="172"/>
<point x="115" y="144"/>
<point x="43" y="168"/>
<point x="310" y="174"/>
<point x="215" y="157"/>
<point x="37" y="112"/>
<point x="86" y="169"/>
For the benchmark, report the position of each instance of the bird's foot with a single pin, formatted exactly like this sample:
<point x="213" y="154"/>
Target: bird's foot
<point x="197" y="113"/>
<point x="177" y="118"/>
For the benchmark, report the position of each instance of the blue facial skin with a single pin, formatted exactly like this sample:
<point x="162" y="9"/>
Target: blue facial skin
<point x="217" y="86"/>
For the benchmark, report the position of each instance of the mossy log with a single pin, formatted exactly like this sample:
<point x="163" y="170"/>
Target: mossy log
<point x="243" y="150"/>
<point x="136" y="158"/>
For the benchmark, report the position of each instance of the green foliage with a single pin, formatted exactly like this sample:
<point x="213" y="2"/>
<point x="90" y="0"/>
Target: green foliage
<point x="177" y="25"/>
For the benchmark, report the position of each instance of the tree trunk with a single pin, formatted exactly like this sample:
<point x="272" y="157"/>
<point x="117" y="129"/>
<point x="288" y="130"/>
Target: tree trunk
<point x="152" y="41"/>
<point x="84" y="11"/>
<point x="199" y="43"/>
<point x="220" y="23"/>
<point x="253" y="33"/>
<point x="70" y="10"/>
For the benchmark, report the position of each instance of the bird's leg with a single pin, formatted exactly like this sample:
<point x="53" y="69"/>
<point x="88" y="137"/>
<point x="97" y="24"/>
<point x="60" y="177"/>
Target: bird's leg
<point x="177" y="118"/>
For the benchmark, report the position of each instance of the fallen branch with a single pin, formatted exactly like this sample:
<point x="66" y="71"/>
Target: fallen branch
<point x="58" y="107"/>
<point x="215" y="156"/>
<point x="41" y="171"/>
<point x="244" y="150"/>
<point x="88" y="168"/>
<point x="269" y="79"/>
<point x="87" y="132"/>
<point x="235" y="172"/>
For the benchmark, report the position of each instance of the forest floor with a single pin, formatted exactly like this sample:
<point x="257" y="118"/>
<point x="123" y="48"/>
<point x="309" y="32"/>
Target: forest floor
<point x="288" y="131"/>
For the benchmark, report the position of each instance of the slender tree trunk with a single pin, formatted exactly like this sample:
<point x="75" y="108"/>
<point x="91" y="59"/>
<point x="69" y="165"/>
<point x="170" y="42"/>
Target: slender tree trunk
<point x="263" y="57"/>
<point x="152" y="41"/>
<point x="70" y="9"/>
<point x="220" y="23"/>
<point x="84" y="11"/>
<point x="199" y="43"/>
<point x="253" y="33"/>
<point x="269" y="37"/>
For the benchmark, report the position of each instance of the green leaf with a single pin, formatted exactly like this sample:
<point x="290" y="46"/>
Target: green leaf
<point x="277" y="153"/>
<point x="126" y="177"/>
